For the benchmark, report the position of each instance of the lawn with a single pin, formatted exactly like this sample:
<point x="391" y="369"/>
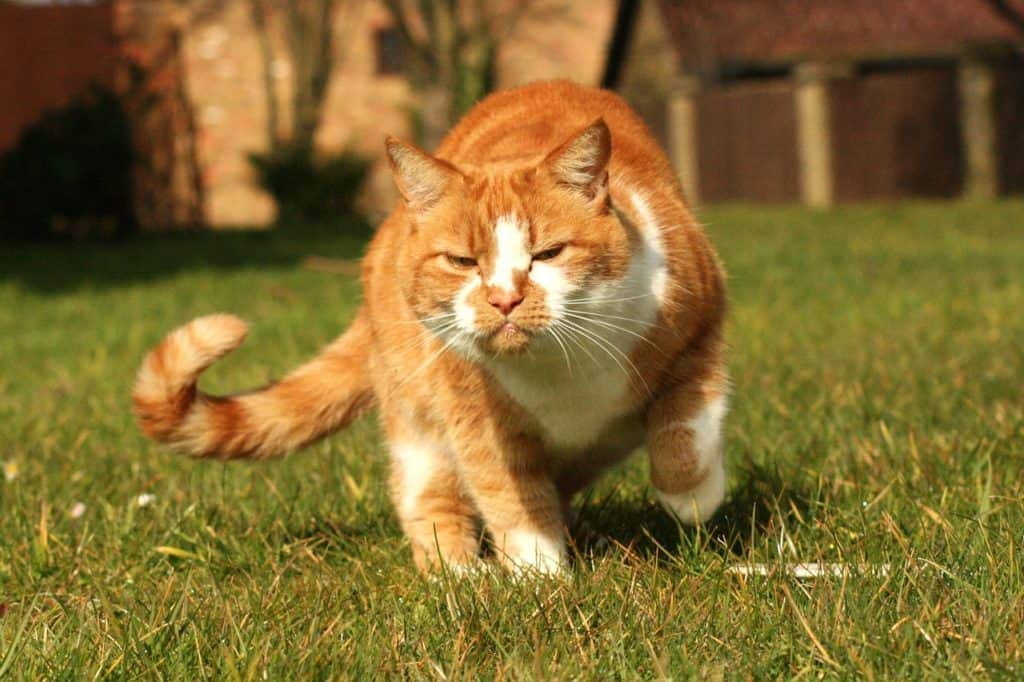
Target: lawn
<point x="878" y="424"/>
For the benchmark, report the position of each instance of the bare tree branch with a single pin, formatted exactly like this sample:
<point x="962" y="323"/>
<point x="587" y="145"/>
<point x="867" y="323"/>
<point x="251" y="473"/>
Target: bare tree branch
<point x="259" y="20"/>
<point x="453" y="46"/>
<point x="1008" y="12"/>
<point x="417" y="48"/>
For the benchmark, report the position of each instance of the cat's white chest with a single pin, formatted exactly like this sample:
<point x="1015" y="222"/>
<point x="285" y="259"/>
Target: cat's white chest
<point x="572" y="405"/>
<point x="579" y="381"/>
<point x="582" y="381"/>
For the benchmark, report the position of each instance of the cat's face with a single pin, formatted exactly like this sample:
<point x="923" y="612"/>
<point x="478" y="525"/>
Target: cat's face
<point x="497" y="263"/>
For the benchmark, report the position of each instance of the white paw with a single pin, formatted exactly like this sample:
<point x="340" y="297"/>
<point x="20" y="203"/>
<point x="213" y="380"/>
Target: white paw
<point x="459" y="571"/>
<point x="697" y="505"/>
<point x="531" y="553"/>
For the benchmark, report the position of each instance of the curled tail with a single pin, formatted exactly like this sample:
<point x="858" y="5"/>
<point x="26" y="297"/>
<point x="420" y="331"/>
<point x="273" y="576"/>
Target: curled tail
<point x="316" y="399"/>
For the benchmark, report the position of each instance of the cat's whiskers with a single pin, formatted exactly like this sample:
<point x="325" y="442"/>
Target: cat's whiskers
<point x="425" y="334"/>
<point x="442" y="332"/>
<point x="577" y="331"/>
<point x="608" y="347"/>
<point x="429" y="361"/>
<point x="441" y="328"/>
<point x="601" y="299"/>
<point x="426" y="321"/>
<point x="588" y="307"/>
<point x="418" y="320"/>
<point x="439" y="316"/>
<point x="597" y="314"/>
<point x="572" y="338"/>
<point x="610" y="325"/>
<point x="558" y="339"/>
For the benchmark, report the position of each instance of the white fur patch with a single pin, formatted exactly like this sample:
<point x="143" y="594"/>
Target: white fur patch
<point x="464" y="312"/>
<point x="707" y="428"/>
<point x="556" y="287"/>
<point x="417" y="462"/>
<point x="654" y="246"/>
<point x="659" y="284"/>
<point x="698" y="504"/>
<point x="533" y="551"/>
<point x="512" y="253"/>
<point x="577" y="381"/>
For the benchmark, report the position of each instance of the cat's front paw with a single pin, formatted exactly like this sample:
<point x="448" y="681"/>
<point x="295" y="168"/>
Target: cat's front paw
<point x="443" y="572"/>
<point x="697" y="505"/>
<point x="528" y="553"/>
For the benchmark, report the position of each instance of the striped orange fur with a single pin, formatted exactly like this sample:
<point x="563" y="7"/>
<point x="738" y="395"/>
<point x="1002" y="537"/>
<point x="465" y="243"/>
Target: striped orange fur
<point x="314" y="400"/>
<point x="539" y="305"/>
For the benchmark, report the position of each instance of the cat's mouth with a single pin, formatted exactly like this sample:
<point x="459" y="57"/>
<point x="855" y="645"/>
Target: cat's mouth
<point x="508" y="338"/>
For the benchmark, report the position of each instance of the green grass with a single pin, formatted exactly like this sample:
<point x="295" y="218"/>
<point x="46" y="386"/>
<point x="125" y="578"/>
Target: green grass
<point x="878" y="419"/>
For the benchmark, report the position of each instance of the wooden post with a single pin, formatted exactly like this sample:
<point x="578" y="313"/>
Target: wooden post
<point x="976" y="85"/>
<point x="682" y="135"/>
<point x="814" y="133"/>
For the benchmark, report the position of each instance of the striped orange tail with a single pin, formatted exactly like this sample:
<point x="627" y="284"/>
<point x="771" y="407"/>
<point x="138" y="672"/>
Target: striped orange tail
<point x="316" y="399"/>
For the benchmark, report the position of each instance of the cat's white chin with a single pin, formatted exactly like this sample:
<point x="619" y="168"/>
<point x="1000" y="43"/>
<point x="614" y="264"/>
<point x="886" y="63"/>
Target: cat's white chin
<point x="509" y="339"/>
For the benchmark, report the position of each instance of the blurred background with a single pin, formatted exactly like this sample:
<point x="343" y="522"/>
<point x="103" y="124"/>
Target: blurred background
<point x="157" y="115"/>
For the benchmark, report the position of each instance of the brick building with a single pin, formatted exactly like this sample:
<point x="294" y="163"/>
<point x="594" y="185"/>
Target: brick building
<point x="198" y="87"/>
<point x="847" y="100"/>
<point x="775" y="100"/>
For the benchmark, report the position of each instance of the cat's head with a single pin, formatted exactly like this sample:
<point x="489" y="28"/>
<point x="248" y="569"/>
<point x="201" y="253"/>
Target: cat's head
<point x="495" y="259"/>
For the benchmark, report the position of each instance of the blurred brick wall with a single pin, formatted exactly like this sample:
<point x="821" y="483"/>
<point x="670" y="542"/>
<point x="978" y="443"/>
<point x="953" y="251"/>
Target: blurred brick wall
<point x="47" y="56"/>
<point x="224" y="79"/>
<point x="207" y="74"/>
<point x="561" y="39"/>
<point x="747" y="143"/>
<point x="896" y="135"/>
<point x="1010" y="124"/>
<point x="225" y="83"/>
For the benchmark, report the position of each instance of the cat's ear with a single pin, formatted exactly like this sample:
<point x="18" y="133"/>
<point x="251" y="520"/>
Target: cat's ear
<point x="421" y="178"/>
<point x="581" y="163"/>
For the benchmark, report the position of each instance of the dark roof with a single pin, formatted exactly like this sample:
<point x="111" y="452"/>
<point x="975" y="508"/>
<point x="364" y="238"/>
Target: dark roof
<point x="784" y="30"/>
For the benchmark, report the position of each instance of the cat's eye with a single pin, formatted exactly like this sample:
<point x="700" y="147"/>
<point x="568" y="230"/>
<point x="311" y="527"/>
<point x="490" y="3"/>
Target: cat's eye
<point x="461" y="261"/>
<point x="548" y="254"/>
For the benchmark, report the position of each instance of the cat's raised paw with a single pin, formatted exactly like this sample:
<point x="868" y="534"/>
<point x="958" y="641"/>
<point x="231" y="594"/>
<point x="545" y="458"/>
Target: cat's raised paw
<point x="697" y="505"/>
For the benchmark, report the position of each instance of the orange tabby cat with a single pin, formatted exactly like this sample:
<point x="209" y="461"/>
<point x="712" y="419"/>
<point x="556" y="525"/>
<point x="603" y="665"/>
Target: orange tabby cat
<point x="539" y="305"/>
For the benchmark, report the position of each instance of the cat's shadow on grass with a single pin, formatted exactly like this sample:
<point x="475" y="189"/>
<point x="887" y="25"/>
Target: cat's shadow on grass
<point x="613" y="523"/>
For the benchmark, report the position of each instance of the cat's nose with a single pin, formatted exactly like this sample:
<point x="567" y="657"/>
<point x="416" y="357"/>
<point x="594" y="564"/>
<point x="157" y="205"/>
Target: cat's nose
<point x="505" y="301"/>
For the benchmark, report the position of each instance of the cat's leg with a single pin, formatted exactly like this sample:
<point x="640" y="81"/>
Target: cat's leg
<point x="684" y="443"/>
<point x="435" y="512"/>
<point x="519" y="502"/>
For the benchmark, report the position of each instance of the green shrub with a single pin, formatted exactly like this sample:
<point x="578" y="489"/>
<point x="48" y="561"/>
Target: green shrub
<point x="70" y="173"/>
<point x="311" y="189"/>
